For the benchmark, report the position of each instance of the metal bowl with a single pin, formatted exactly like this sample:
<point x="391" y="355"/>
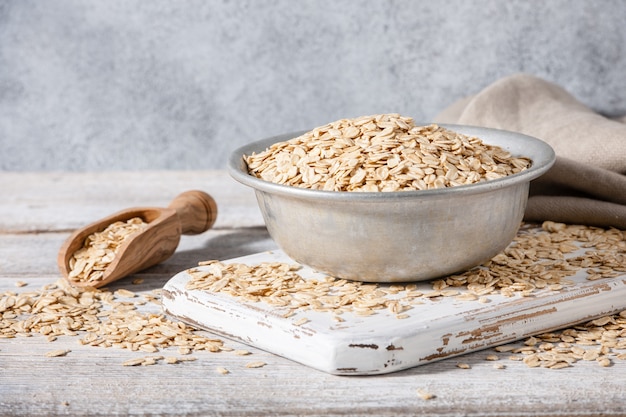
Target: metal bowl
<point x="398" y="236"/>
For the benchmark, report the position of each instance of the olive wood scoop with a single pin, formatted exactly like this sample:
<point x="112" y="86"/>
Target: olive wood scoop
<point x="191" y="212"/>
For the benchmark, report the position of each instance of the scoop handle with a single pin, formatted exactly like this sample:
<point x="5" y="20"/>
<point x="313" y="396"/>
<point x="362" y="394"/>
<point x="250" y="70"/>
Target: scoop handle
<point x="196" y="211"/>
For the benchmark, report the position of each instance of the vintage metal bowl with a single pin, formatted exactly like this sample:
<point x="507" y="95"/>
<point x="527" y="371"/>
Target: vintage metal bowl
<point x="398" y="236"/>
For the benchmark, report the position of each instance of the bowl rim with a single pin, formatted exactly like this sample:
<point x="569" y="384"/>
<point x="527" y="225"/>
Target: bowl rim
<point x="543" y="157"/>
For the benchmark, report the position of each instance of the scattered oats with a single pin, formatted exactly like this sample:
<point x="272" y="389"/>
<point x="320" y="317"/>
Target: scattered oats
<point x="97" y="318"/>
<point x="279" y="285"/>
<point x="171" y="360"/>
<point x="499" y="366"/>
<point x="241" y="352"/>
<point x="402" y="316"/>
<point x="564" y="348"/>
<point x="484" y="300"/>
<point x="425" y="395"/>
<point x="463" y="365"/>
<point x="255" y="364"/>
<point x="56" y="353"/>
<point x="492" y="358"/>
<point x="20" y="284"/>
<point x="137" y="281"/>
<point x="537" y="260"/>
<point x="187" y="359"/>
<point x="533" y="262"/>
<point x="222" y="371"/>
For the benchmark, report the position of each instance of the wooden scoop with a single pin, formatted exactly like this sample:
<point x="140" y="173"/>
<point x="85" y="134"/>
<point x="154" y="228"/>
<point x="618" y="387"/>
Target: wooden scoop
<point x="192" y="212"/>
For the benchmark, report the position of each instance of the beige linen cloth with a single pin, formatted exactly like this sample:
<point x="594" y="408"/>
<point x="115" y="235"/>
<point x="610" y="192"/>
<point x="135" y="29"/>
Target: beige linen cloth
<point x="587" y="184"/>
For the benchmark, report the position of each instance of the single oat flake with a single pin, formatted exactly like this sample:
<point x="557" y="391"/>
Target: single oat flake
<point x="257" y="364"/>
<point x="425" y="395"/>
<point x="57" y="353"/>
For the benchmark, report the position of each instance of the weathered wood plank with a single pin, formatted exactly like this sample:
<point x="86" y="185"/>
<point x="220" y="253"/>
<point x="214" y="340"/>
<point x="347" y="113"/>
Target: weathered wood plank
<point x="92" y="381"/>
<point x="32" y="202"/>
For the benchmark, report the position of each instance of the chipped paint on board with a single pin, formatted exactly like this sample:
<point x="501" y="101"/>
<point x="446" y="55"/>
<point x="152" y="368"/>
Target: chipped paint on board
<point x="433" y="331"/>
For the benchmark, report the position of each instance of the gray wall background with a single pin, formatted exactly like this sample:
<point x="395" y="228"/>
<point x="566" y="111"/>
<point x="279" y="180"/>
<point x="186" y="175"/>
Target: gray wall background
<point x="163" y="84"/>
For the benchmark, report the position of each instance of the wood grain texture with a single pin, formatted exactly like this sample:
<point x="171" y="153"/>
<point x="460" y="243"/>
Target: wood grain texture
<point x="92" y="381"/>
<point x="36" y="202"/>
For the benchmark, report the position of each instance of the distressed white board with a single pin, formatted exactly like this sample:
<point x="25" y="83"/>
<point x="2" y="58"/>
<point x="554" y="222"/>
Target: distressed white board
<point x="381" y="343"/>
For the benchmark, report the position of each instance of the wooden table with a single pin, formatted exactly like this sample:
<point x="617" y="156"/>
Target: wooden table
<point x="39" y="210"/>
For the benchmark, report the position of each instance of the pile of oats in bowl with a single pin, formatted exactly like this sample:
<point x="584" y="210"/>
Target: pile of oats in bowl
<point x="385" y="152"/>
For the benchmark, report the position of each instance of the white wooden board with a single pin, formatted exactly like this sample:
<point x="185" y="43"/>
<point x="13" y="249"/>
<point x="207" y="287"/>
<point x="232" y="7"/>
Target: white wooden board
<point x="440" y="328"/>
